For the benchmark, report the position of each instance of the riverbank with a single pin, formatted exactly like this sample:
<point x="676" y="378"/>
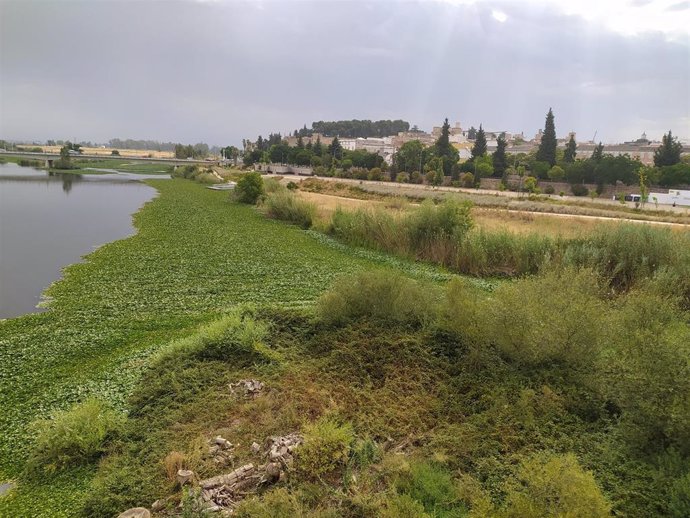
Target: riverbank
<point x="195" y="255"/>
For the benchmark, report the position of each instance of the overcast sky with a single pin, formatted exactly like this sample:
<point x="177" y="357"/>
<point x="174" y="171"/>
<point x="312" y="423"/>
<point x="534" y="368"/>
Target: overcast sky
<point x="218" y="71"/>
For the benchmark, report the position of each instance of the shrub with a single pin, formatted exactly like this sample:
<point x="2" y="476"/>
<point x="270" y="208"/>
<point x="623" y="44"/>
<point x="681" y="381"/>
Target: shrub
<point x="433" y="487"/>
<point x="284" y="205"/>
<point x="402" y="177"/>
<point x="272" y="185"/>
<point x="74" y="437"/>
<point x="375" y="174"/>
<point x="553" y="318"/>
<point x="679" y="503"/>
<point x="549" y="189"/>
<point x="650" y="347"/>
<point x="381" y="295"/>
<point x="279" y="503"/>
<point x="556" y="173"/>
<point x="436" y="230"/>
<point x="626" y="253"/>
<point x="237" y="336"/>
<point x="249" y="188"/>
<point x="399" y="506"/>
<point x="115" y="152"/>
<point x="326" y="448"/>
<point x="292" y="186"/>
<point x="467" y="180"/>
<point x="554" y="486"/>
<point x="579" y="190"/>
<point x="173" y="462"/>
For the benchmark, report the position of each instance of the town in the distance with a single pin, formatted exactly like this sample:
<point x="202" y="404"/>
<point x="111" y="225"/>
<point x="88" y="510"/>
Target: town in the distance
<point x="640" y="170"/>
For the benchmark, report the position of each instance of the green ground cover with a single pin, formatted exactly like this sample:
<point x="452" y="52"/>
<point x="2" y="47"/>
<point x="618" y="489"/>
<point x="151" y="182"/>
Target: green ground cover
<point x="194" y="256"/>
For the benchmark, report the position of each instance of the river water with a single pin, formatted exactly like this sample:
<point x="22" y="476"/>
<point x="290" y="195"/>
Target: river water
<point x="48" y="221"/>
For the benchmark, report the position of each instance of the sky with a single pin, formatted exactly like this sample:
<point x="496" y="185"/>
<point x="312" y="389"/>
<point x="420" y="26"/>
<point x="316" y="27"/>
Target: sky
<point x="220" y="71"/>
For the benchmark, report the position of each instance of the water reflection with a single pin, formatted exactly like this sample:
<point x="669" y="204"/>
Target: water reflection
<point x="50" y="220"/>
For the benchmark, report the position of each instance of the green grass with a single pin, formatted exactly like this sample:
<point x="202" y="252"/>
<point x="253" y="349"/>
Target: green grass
<point x="194" y="256"/>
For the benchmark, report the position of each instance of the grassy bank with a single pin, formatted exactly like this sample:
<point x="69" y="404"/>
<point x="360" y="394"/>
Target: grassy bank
<point x="195" y="255"/>
<point x="542" y="400"/>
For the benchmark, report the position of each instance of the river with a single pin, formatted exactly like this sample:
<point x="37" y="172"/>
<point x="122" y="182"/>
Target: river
<point x="48" y="221"/>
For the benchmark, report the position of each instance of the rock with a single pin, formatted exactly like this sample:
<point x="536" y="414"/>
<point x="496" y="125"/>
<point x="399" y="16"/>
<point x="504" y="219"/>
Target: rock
<point x="158" y="505"/>
<point x="223" y="443"/>
<point x="256" y="448"/>
<point x="184" y="476"/>
<point x="273" y="470"/>
<point x="247" y="388"/>
<point x="229" y="479"/>
<point x="135" y="512"/>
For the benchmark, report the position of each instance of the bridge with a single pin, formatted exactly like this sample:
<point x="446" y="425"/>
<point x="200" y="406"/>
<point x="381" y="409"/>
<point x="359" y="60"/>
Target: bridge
<point x="49" y="158"/>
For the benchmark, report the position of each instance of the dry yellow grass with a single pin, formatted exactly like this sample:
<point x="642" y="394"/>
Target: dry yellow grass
<point x="527" y="223"/>
<point x="487" y="219"/>
<point x="326" y="203"/>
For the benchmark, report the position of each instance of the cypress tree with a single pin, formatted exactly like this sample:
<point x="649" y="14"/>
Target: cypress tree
<point x="499" y="157"/>
<point x="598" y="152"/>
<point x="335" y="149"/>
<point x="668" y="153"/>
<point x="479" y="148"/>
<point x="443" y="142"/>
<point x="318" y="149"/>
<point x="570" y="150"/>
<point x="547" y="147"/>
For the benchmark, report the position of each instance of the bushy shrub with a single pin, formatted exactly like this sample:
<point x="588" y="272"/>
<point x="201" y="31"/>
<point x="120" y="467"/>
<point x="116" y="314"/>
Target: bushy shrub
<point x="249" y="188"/>
<point x="402" y="506"/>
<point x="579" y="190"/>
<point x="402" y="177"/>
<point x="549" y="189"/>
<point x="435" y="231"/>
<point x="552" y="487"/>
<point x="74" y="437"/>
<point x="679" y="503"/>
<point x="237" y="336"/>
<point x="278" y="503"/>
<point x="434" y="488"/>
<point x="467" y="180"/>
<point x="375" y="174"/>
<point x="626" y="253"/>
<point x="554" y="318"/>
<point x="380" y="295"/>
<point x="326" y="448"/>
<point x="286" y="206"/>
<point x="649" y="343"/>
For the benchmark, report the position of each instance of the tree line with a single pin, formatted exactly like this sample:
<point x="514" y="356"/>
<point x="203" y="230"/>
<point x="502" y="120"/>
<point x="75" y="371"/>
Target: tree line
<point x="416" y="163"/>
<point x="354" y="128"/>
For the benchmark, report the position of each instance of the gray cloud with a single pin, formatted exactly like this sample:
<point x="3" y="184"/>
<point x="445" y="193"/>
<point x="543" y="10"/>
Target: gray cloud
<point x="219" y="72"/>
<point x="680" y="6"/>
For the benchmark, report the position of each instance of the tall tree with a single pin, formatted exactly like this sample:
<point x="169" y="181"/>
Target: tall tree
<point x="443" y="142"/>
<point x="471" y="133"/>
<point x="547" y="147"/>
<point x="499" y="157"/>
<point x="444" y="150"/>
<point x="479" y="148"/>
<point x="570" y="150"/>
<point x="300" y="142"/>
<point x="335" y="149"/>
<point x="317" y="149"/>
<point x="598" y="152"/>
<point x="668" y="153"/>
